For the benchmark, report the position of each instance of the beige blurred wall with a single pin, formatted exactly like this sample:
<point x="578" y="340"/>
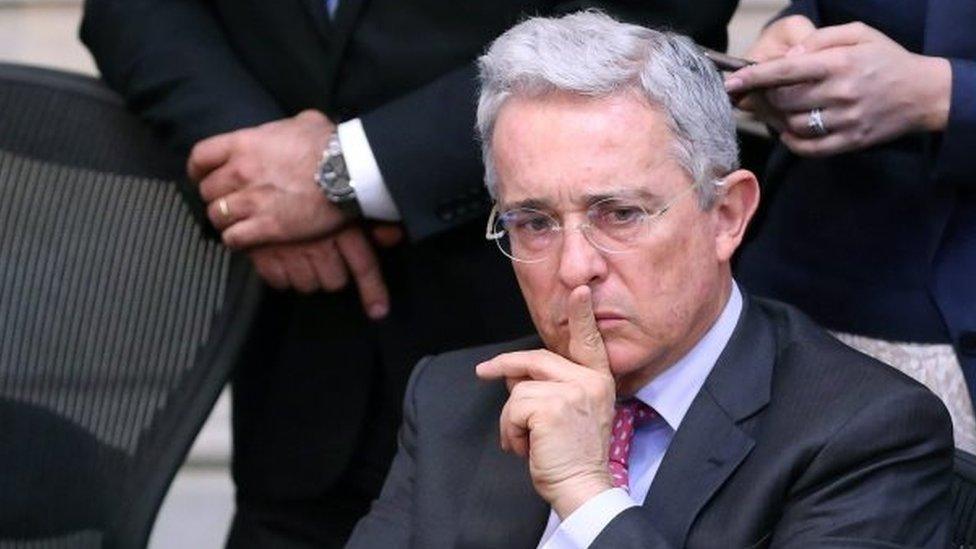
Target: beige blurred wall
<point x="43" y="32"/>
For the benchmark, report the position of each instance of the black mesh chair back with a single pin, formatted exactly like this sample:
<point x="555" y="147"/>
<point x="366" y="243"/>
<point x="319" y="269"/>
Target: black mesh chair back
<point x="964" y="502"/>
<point x="120" y="316"/>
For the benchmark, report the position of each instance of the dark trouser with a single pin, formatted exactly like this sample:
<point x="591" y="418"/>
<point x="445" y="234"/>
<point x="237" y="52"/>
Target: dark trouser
<point x="317" y="395"/>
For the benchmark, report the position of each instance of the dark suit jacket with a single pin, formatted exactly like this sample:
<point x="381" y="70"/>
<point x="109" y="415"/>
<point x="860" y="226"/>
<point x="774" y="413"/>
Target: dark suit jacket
<point x="794" y="440"/>
<point x="882" y="242"/>
<point x="316" y="396"/>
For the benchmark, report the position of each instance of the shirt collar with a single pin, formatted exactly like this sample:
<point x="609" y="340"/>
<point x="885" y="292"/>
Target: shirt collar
<point x="671" y="392"/>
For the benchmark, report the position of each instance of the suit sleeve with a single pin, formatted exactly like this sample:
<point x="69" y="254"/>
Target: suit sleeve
<point x="389" y="522"/>
<point x="172" y="62"/>
<point x="881" y="480"/>
<point x="954" y="160"/>
<point x="424" y="141"/>
<point x="806" y="8"/>
<point x="631" y="529"/>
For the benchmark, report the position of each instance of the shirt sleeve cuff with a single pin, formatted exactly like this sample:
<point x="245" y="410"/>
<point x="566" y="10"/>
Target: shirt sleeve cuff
<point x="581" y="528"/>
<point x="374" y="198"/>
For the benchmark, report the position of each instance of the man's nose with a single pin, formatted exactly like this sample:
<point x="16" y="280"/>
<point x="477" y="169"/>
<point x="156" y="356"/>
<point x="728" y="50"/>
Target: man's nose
<point x="580" y="262"/>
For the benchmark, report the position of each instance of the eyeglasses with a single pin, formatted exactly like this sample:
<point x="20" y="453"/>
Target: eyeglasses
<point x="613" y="225"/>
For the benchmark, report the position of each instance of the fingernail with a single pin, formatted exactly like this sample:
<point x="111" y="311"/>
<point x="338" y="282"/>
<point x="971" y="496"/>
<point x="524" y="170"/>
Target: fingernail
<point x="378" y="311"/>
<point x="733" y="85"/>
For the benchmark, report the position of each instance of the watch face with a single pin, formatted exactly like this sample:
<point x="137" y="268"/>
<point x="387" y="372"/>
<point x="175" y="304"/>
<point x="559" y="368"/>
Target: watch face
<point x="334" y="180"/>
<point x="333" y="176"/>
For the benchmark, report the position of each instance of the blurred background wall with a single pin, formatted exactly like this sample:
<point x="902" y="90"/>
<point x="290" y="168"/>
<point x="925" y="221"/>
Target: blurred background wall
<point x="198" y="509"/>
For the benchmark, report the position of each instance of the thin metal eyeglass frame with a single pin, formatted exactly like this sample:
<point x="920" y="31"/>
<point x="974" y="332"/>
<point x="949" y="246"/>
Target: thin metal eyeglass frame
<point x="585" y="226"/>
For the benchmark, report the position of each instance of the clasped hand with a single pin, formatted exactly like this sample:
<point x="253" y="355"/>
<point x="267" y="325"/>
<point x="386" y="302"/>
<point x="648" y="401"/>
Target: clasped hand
<point x="869" y="88"/>
<point x="259" y="187"/>
<point x="559" y="411"/>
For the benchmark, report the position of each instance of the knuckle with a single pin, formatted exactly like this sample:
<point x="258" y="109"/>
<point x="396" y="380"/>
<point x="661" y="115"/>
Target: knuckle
<point x="517" y="392"/>
<point x="244" y="204"/>
<point x="845" y="91"/>
<point x="335" y="276"/>
<point x="207" y="191"/>
<point x="231" y="240"/>
<point x="335" y="282"/>
<point x="844" y="59"/>
<point x="244" y="171"/>
<point x="243" y="140"/>
<point x="310" y="115"/>
<point x="212" y="214"/>
<point x="269" y="227"/>
<point x="797" y="124"/>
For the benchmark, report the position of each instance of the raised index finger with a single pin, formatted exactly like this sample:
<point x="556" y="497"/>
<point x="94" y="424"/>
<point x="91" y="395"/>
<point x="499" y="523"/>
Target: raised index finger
<point x="585" y="341"/>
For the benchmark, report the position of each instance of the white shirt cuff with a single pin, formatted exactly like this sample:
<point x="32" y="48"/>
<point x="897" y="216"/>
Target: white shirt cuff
<point x="371" y="192"/>
<point x="582" y="527"/>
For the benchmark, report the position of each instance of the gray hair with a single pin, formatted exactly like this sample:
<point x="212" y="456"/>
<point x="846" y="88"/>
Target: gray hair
<point x="591" y="54"/>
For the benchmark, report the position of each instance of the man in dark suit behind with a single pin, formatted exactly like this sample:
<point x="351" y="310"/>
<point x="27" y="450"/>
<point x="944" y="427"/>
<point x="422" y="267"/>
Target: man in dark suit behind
<point x="661" y="407"/>
<point x="257" y="89"/>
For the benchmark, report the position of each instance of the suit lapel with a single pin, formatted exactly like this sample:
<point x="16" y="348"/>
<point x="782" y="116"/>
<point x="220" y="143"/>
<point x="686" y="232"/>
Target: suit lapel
<point x="502" y="508"/>
<point x="705" y="451"/>
<point x="710" y="444"/>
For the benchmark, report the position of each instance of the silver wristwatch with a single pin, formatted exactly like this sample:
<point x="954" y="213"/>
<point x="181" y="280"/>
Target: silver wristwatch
<point x="333" y="178"/>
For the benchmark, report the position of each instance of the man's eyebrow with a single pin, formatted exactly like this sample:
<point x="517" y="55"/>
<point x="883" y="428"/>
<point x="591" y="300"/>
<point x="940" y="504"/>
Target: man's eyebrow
<point x="533" y="203"/>
<point x="631" y="193"/>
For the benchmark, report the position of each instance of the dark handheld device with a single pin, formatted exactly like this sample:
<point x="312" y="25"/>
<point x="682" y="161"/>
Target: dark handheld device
<point x="725" y="62"/>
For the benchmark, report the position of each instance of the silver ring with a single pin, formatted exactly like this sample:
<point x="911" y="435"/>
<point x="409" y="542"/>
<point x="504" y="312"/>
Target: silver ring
<point x="815" y="122"/>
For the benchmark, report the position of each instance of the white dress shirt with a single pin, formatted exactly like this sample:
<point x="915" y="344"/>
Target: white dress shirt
<point x="364" y="173"/>
<point x="670" y="394"/>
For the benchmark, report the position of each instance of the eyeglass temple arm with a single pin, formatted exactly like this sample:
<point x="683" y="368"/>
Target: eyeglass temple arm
<point x="489" y="234"/>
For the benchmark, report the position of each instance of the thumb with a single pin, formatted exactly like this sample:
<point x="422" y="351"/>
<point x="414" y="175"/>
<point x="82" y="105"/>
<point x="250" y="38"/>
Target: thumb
<point x="585" y="342"/>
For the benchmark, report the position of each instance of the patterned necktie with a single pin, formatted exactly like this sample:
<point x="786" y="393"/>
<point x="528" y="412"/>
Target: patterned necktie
<point x="630" y="414"/>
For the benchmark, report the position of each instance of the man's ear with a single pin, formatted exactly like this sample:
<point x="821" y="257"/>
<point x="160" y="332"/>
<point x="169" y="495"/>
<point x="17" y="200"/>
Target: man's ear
<point x="738" y="198"/>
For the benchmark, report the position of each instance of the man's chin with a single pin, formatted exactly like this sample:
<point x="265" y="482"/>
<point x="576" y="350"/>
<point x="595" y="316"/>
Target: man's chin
<point x="628" y="364"/>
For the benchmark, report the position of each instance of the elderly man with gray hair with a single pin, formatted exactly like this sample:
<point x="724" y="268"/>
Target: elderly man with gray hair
<point x="657" y="406"/>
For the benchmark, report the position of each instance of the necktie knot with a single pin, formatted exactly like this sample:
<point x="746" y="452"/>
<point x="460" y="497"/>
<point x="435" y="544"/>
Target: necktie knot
<point x="629" y="415"/>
